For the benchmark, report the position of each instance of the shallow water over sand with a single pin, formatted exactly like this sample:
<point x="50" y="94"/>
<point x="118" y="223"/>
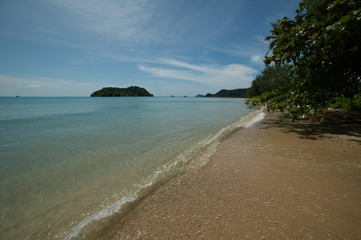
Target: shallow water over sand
<point x="274" y="180"/>
<point x="67" y="162"/>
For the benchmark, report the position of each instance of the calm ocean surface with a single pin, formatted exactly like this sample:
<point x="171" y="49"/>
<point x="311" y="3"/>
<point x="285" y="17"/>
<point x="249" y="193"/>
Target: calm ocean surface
<point x="66" y="163"/>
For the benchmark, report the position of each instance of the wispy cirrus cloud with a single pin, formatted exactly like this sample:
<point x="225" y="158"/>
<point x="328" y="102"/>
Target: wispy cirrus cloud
<point x="126" y="56"/>
<point x="153" y="21"/>
<point x="120" y="20"/>
<point x="41" y="86"/>
<point x="36" y="85"/>
<point x="221" y="76"/>
<point x="211" y="74"/>
<point x="253" y="53"/>
<point x="127" y="42"/>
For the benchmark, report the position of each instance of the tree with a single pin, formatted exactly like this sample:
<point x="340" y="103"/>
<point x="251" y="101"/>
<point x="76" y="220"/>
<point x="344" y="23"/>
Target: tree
<point x="271" y="78"/>
<point x="235" y="93"/>
<point x="322" y="44"/>
<point x="132" y="91"/>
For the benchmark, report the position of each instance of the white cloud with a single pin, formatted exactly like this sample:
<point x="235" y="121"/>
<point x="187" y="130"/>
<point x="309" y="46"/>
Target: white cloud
<point x="121" y="20"/>
<point x="254" y="53"/>
<point x="37" y="85"/>
<point x="221" y="76"/>
<point x="257" y="59"/>
<point x="153" y="21"/>
<point x="40" y="86"/>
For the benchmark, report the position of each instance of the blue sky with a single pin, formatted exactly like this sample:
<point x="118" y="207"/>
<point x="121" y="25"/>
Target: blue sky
<point x="170" y="47"/>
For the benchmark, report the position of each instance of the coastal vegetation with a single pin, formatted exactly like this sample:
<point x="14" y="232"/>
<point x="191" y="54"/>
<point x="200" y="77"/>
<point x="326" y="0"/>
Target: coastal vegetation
<point x="132" y="91"/>
<point x="321" y="47"/>
<point x="235" y="93"/>
<point x="270" y="79"/>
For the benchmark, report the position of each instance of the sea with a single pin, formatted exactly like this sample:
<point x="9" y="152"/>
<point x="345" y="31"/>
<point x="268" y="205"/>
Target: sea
<point x="68" y="163"/>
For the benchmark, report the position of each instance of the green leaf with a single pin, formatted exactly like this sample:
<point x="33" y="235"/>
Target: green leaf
<point x="344" y="19"/>
<point x="321" y="44"/>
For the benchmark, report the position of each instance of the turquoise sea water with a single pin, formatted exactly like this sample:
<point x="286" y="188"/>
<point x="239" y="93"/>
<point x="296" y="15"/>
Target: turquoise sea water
<point x="66" y="163"/>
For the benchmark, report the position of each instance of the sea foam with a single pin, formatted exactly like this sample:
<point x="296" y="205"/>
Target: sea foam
<point x="193" y="157"/>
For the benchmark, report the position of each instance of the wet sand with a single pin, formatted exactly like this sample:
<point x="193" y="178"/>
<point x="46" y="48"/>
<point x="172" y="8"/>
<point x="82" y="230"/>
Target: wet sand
<point x="275" y="180"/>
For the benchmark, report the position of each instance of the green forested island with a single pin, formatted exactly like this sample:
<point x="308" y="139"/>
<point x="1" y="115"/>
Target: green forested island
<point x="235" y="93"/>
<point x="132" y="91"/>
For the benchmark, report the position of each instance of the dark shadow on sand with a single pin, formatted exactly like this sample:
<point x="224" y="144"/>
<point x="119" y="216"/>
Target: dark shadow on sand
<point x="336" y="122"/>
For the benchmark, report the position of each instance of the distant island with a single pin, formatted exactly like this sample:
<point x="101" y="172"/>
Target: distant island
<point x="132" y="91"/>
<point x="235" y="93"/>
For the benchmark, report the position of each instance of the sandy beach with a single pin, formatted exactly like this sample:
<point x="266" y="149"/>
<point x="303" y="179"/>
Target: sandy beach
<point x="277" y="179"/>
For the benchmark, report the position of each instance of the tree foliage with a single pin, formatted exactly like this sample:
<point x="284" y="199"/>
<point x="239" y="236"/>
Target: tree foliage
<point x="133" y="91"/>
<point x="322" y="44"/>
<point x="235" y="93"/>
<point x="271" y="78"/>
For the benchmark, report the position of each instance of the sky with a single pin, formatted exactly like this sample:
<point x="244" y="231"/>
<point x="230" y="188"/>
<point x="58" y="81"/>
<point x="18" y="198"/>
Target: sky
<point x="169" y="47"/>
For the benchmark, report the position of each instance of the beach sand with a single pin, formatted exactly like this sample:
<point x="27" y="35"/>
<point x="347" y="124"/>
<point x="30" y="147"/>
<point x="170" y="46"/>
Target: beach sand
<point x="277" y="179"/>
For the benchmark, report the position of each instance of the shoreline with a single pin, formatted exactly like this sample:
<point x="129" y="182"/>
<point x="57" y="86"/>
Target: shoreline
<point x="277" y="179"/>
<point x="193" y="157"/>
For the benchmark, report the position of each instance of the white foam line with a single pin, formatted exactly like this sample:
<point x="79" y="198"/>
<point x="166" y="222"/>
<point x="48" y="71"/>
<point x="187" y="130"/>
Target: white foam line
<point x="109" y="210"/>
<point x="260" y="115"/>
<point x="212" y="143"/>
<point x="105" y="212"/>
